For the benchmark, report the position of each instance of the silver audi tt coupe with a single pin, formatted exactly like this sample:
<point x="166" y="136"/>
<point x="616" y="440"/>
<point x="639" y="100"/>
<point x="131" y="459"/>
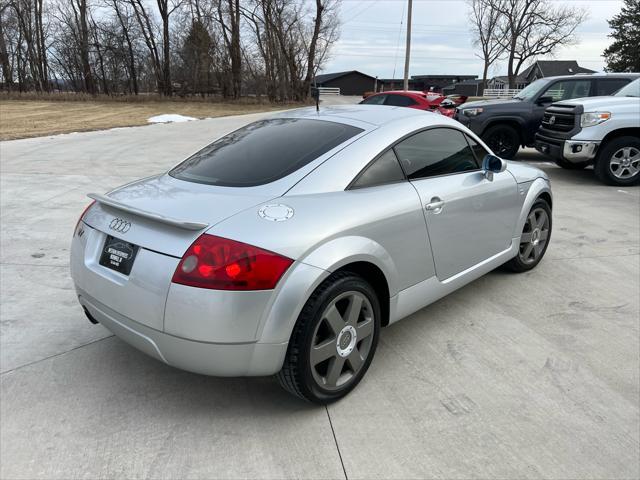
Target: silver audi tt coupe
<point x="284" y="247"/>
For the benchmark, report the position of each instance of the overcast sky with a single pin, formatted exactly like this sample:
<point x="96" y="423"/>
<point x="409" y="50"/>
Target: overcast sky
<point x="372" y="39"/>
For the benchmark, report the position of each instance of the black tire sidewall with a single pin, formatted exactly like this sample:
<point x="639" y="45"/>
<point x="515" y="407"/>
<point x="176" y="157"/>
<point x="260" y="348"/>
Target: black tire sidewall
<point x="602" y="169"/>
<point x="310" y="389"/>
<point x="510" y="131"/>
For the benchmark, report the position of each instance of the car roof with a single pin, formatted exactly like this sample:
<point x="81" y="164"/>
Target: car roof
<point x="403" y="92"/>
<point x="367" y="117"/>
<point x="595" y="75"/>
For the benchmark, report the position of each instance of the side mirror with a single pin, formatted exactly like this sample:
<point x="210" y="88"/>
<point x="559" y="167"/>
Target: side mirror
<point x="492" y="164"/>
<point x="544" y="100"/>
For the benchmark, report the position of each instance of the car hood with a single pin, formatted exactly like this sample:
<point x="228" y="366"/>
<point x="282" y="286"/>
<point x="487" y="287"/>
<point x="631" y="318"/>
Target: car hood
<point x="599" y="103"/>
<point x="489" y="103"/>
<point x="523" y="172"/>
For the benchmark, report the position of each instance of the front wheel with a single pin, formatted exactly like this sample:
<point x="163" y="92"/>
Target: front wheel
<point x="534" y="239"/>
<point x="333" y="341"/>
<point x="619" y="162"/>
<point x="503" y="140"/>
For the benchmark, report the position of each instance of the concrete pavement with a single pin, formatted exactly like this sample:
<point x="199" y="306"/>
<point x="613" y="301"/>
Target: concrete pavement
<point x="527" y="376"/>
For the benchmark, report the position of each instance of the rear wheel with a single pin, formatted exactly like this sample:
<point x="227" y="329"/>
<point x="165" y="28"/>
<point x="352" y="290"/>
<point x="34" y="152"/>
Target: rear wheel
<point x="561" y="162"/>
<point x="534" y="239"/>
<point x="333" y="341"/>
<point x="503" y="140"/>
<point x="619" y="162"/>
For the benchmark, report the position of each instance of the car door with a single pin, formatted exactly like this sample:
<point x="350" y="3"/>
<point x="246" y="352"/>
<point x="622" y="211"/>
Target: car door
<point x="469" y="217"/>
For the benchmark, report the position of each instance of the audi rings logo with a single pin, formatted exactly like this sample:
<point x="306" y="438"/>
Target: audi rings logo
<point x="120" y="225"/>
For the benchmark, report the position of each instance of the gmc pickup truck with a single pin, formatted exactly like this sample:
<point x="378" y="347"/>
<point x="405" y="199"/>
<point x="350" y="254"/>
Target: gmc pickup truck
<point x="600" y="130"/>
<point x="507" y="124"/>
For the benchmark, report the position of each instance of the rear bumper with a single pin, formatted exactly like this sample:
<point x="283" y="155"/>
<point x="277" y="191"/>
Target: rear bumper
<point x="218" y="359"/>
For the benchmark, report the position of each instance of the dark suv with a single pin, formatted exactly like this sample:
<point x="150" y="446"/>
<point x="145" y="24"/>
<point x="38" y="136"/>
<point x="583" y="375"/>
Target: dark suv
<point x="505" y="125"/>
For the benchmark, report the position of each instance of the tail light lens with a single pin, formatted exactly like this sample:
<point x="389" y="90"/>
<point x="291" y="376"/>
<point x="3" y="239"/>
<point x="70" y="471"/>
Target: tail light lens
<point x="223" y="264"/>
<point x="86" y="209"/>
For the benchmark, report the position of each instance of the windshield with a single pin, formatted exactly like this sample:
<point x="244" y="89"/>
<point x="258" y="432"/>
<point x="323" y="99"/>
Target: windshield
<point x="630" y="90"/>
<point x="263" y="152"/>
<point x="532" y="90"/>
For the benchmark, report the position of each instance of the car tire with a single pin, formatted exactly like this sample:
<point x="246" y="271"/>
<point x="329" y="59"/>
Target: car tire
<point x="561" y="162"/>
<point x="503" y="140"/>
<point x="619" y="162"/>
<point x="327" y="356"/>
<point x="533" y="245"/>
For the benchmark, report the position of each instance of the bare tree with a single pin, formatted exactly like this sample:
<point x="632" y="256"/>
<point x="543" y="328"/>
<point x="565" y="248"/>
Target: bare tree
<point x="485" y="19"/>
<point x="532" y="28"/>
<point x="5" y="61"/>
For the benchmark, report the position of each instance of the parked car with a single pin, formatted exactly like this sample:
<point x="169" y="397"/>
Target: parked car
<point x="276" y="250"/>
<point x="429" y="101"/>
<point x="505" y="125"/>
<point x="600" y="130"/>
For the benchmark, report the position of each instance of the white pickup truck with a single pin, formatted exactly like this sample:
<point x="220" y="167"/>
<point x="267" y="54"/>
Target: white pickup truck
<point x="604" y="131"/>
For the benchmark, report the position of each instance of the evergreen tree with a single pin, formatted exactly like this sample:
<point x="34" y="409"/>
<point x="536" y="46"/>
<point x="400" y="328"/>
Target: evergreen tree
<point x="623" y="55"/>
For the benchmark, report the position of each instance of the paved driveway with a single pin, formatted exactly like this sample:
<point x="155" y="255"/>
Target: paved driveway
<point x="532" y="375"/>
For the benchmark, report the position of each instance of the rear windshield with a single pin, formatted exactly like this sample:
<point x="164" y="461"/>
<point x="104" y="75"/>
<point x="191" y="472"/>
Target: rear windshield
<point x="263" y="152"/>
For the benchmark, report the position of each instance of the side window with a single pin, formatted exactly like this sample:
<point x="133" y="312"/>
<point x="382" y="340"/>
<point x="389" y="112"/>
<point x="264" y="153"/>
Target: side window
<point x="478" y="150"/>
<point x="568" y="89"/>
<point x="374" y="100"/>
<point x="439" y="151"/>
<point x="399" y="101"/>
<point x="609" y="86"/>
<point x="384" y="169"/>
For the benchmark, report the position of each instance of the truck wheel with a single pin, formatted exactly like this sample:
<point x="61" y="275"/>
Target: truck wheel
<point x="561" y="162"/>
<point x="619" y="162"/>
<point x="504" y="140"/>
<point x="333" y="341"/>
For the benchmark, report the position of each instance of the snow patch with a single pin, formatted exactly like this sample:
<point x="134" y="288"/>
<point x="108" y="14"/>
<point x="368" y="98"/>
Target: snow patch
<point x="170" y="117"/>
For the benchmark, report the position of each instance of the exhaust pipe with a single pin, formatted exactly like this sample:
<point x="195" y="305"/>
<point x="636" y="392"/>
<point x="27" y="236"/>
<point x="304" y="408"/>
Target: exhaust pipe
<point x="89" y="316"/>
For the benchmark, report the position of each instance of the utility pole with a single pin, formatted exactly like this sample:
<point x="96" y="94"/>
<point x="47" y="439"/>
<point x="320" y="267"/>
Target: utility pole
<point x="408" y="51"/>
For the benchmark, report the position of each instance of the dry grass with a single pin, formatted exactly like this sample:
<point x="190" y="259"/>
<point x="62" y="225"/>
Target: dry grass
<point x="39" y="117"/>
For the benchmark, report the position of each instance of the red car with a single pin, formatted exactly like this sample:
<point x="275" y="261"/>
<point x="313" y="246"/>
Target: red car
<point x="430" y="101"/>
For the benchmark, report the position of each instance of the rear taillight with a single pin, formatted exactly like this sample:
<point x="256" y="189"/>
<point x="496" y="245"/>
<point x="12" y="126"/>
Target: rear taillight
<point x="223" y="264"/>
<point x="86" y="209"/>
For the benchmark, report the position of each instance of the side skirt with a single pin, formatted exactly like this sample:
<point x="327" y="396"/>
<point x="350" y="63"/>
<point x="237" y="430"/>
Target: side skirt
<point x="418" y="296"/>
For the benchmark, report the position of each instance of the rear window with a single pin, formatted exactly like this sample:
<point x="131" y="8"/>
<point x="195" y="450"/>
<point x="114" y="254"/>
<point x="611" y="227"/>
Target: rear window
<point x="263" y="152"/>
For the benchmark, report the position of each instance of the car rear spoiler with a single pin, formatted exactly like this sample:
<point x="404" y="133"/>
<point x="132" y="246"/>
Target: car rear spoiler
<point x="175" y="222"/>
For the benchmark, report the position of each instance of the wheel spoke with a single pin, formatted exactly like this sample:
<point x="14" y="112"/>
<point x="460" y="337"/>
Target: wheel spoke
<point x="532" y="220"/>
<point x="320" y="353"/>
<point x="335" y="369"/>
<point x="353" y="310"/>
<point x="355" y="360"/>
<point x="334" y="319"/>
<point x="544" y="234"/>
<point x="526" y="237"/>
<point x="364" y="329"/>
<point x="632" y="170"/>
<point x="541" y="220"/>
<point x="626" y="152"/>
<point x="537" y="249"/>
<point x="527" y="251"/>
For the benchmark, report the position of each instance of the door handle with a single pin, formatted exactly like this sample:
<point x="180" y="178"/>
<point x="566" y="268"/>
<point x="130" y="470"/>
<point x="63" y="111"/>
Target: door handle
<point x="435" y="205"/>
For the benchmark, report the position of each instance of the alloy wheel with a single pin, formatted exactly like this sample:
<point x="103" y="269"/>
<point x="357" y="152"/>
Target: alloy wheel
<point x="500" y="143"/>
<point x="534" y="236"/>
<point x="342" y="340"/>
<point x="625" y="162"/>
